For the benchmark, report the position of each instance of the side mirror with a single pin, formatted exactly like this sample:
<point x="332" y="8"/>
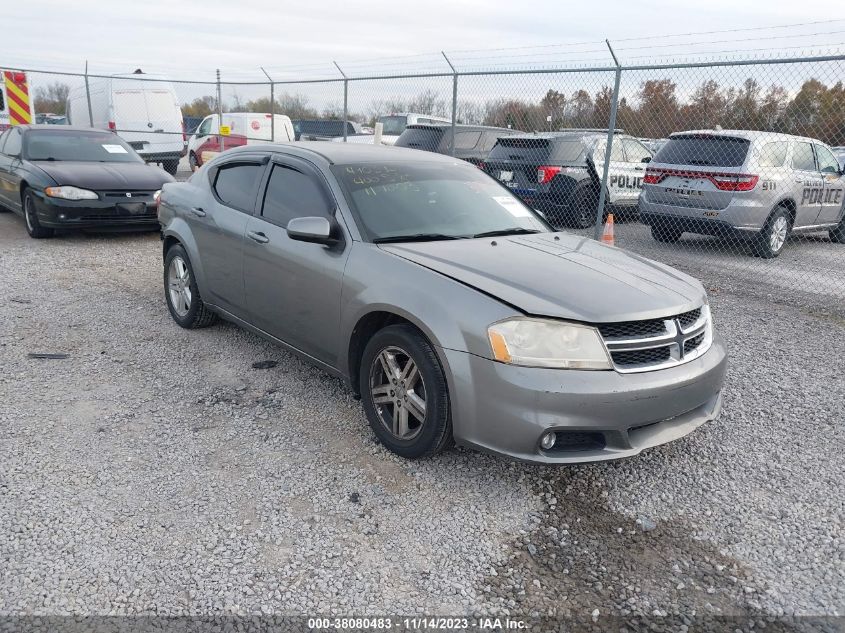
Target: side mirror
<point x="316" y="230"/>
<point x="647" y="159"/>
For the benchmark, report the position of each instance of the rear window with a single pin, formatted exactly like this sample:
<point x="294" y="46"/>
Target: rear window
<point x="538" y="150"/>
<point x="393" y="125"/>
<point x="427" y="139"/>
<point x="236" y="185"/>
<point x="717" y="151"/>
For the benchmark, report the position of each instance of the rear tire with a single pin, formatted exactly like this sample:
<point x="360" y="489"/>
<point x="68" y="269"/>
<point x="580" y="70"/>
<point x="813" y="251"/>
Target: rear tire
<point x="769" y="243"/>
<point x="837" y="234"/>
<point x="192" y="161"/>
<point x="666" y="234"/>
<point x="404" y="393"/>
<point x="33" y="227"/>
<point x="181" y="292"/>
<point x="170" y="166"/>
<point x="585" y="201"/>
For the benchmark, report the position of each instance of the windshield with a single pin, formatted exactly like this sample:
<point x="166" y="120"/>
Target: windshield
<point x="395" y="200"/>
<point x="393" y="125"/>
<point x="719" y="151"/>
<point x="78" y="145"/>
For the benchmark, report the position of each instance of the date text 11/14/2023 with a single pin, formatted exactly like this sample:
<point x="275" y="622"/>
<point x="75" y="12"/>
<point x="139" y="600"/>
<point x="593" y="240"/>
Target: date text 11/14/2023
<point x="415" y="624"/>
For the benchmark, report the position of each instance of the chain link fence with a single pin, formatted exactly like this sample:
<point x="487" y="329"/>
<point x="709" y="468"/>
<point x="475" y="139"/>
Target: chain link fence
<point x="729" y="170"/>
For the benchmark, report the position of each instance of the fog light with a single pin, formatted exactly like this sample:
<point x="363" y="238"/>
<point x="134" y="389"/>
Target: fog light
<point x="61" y="216"/>
<point x="548" y="440"/>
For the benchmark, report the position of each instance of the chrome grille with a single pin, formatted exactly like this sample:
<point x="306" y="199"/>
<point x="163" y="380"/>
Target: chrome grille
<point x="636" y="346"/>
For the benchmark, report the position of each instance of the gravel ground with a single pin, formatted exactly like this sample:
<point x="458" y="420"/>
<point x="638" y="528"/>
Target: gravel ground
<point x="156" y="471"/>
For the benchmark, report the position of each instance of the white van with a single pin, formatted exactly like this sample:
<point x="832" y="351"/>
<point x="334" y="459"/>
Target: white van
<point x="244" y="128"/>
<point x="142" y="109"/>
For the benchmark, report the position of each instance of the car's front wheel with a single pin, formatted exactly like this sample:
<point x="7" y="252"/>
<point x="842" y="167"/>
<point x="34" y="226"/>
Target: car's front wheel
<point x="170" y="166"/>
<point x="181" y="291"/>
<point x="33" y="226"/>
<point x="770" y="241"/>
<point x="404" y="393"/>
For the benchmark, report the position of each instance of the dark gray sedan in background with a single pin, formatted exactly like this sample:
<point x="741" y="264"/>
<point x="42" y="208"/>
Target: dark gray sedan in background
<point x="448" y="305"/>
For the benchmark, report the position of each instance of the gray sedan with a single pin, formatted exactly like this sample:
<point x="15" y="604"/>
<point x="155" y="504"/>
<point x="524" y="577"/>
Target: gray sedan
<point x="452" y="309"/>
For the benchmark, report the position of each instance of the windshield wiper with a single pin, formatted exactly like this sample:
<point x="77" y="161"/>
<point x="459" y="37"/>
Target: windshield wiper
<point x="418" y="237"/>
<point x="516" y="230"/>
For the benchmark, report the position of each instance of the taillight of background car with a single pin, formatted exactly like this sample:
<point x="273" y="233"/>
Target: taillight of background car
<point x="723" y="182"/>
<point x="545" y="173"/>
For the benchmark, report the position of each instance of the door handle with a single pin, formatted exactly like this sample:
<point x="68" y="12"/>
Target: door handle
<point x="258" y="236"/>
<point x="197" y="211"/>
<point x="638" y="168"/>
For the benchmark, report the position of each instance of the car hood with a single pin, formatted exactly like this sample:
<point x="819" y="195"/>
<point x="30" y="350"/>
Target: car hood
<point x="560" y="275"/>
<point x="98" y="176"/>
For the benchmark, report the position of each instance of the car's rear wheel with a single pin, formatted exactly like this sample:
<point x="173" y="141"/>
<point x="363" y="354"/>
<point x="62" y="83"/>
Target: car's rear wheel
<point x="192" y="161"/>
<point x="170" y="166"/>
<point x="837" y="234"/>
<point x="584" y="204"/>
<point x="404" y="393"/>
<point x="666" y="234"/>
<point x="181" y="291"/>
<point x="33" y="226"/>
<point x="772" y="238"/>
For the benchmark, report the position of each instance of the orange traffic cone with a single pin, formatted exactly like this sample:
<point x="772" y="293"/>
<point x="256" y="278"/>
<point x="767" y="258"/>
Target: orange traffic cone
<point x="607" y="234"/>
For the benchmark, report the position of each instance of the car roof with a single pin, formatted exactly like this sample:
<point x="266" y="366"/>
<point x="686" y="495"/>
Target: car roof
<point x="750" y="135"/>
<point x="61" y="128"/>
<point x="461" y="126"/>
<point x="567" y="134"/>
<point x="346" y="153"/>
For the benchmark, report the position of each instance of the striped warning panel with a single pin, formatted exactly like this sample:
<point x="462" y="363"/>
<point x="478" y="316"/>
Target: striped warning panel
<point x="17" y="97"/>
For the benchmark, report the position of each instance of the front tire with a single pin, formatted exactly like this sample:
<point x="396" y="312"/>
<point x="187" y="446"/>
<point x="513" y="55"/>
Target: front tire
<point x="30" y="216"/>
<point x="404" y="393"/>
<point x="181" y="291"/>
<point x="772" y="238"/>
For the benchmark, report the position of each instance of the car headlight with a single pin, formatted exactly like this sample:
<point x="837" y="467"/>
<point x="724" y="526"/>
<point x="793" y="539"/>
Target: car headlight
<point x="71" y="193"/>
<point x="534" y="342"/>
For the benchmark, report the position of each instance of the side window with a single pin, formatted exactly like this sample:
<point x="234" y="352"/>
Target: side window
<point x="773" y="154"/>
<point x="2" y="100"/>
<point x="13" y="143"/>
<point x="236" y="185"/>
<point x="467" y="140"/>
<point x="827" y="161"/>
<point x="489" y="141"/>
<point x="635" y="151"/>
<point x="293" y="194"/>
<point x="802" y="157"/>
<point x="616" y="153"/>
<point x="204" y="128"/>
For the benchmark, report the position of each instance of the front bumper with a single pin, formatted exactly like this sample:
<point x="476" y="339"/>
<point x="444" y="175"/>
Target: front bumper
<point x="598" y="415"/>
<point x="56" y="213"/>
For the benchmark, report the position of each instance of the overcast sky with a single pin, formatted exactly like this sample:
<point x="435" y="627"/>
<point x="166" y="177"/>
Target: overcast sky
<point x="192" y="38"/>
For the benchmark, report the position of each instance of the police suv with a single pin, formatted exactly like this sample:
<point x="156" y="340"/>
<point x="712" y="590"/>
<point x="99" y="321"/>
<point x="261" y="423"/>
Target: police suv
<point x="559" y="173"/>
<point x="757" y="186"/>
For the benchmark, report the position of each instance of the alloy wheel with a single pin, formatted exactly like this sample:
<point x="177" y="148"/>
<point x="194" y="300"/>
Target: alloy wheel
<point x="777" y="236"/>
<point x="27" y="213"/>
<point x="398" y="393"/>
<point x="179" y="286"/>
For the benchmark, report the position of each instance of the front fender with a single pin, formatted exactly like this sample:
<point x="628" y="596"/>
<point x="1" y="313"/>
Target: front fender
<point x="449" y="313"/>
